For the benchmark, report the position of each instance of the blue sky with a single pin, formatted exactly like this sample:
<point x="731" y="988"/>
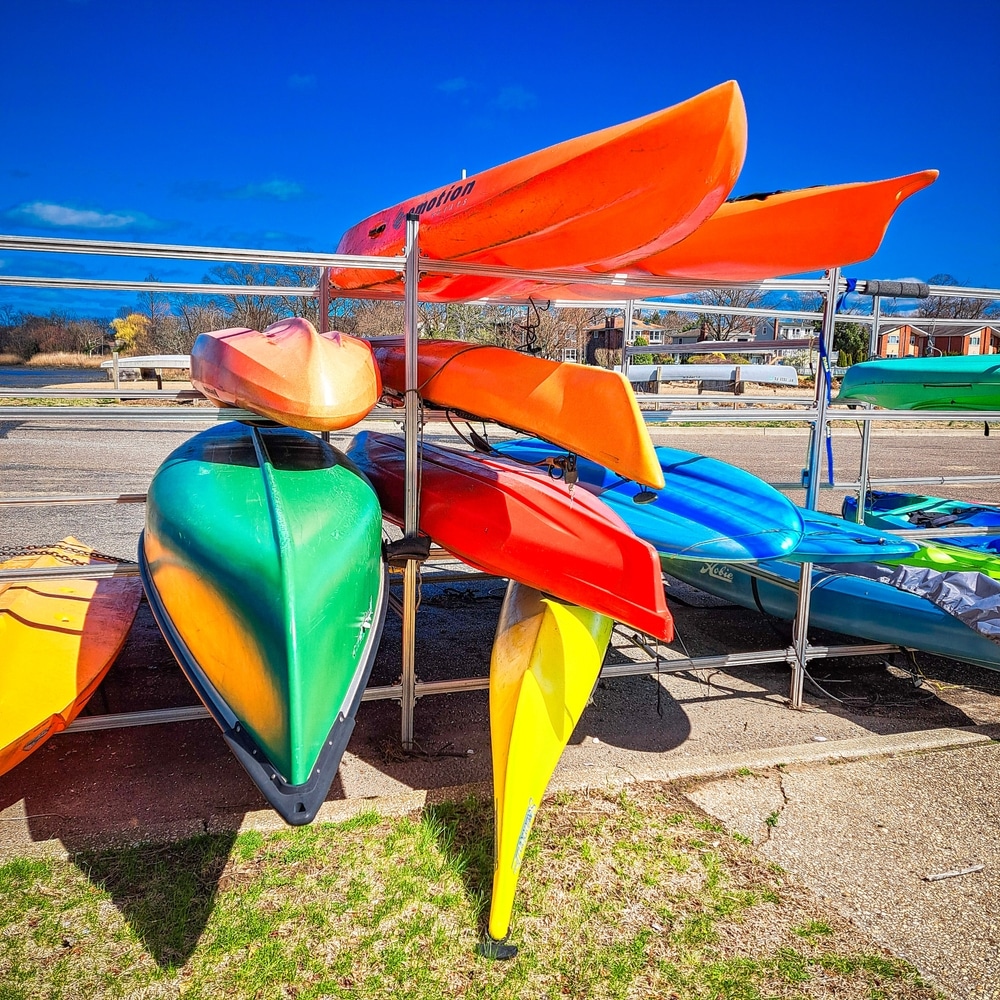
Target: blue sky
<point x="279" y="125"/>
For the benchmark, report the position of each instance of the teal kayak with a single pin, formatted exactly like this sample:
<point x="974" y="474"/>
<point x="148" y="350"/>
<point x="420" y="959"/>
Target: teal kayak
<point x="907" y="511"/>
<point x="965" y="382"/>
<point x="262" y="561"/>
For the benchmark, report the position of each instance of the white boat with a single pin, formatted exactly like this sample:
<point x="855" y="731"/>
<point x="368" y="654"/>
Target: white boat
<point x="729" y="373"/>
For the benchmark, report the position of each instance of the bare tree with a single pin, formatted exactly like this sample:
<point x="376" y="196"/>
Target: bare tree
<point x="724" y="326"/>
<point x="954" y="306"/>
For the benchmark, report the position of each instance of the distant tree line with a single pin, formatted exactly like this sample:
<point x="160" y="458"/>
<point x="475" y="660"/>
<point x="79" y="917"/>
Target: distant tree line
<point x="168" y="323"/>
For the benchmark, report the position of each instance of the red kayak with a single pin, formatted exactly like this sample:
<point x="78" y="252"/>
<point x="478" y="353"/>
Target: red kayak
<point x="514" y="522"/>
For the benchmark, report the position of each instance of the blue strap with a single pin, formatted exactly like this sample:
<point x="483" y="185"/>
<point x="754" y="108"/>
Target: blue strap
<point x="824" y="359"/>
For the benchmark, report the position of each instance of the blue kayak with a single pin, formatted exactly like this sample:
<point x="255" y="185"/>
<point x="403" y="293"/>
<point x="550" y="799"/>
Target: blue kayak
<point x="712" y="510"/>
<point x="907" y="511"/>
<point x="842" y="602"/>
<point x="706" y="510"/>
<point x="830" y="539"/>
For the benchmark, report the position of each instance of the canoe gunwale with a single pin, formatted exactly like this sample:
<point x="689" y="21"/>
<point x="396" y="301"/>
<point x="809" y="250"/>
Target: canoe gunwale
<point x="295" y="804"/>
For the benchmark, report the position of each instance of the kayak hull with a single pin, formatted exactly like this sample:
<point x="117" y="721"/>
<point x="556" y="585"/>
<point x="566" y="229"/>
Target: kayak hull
<point x="516" y="523"/>
<point x="908" y="511"/>
<point x="261" y="557"/>
<point x="591" y="411"/>
<point x="546" y="659"/>
<point x="748" y="239"/>
<point x="843" y="602"/>
<point x="830" y="539"/>
<point x="706" y="509"/>
<point x="289" y="373"/>
<point x="603" y="198"/>
<point x="968" y="382"/>
<point x="59" y="639"/>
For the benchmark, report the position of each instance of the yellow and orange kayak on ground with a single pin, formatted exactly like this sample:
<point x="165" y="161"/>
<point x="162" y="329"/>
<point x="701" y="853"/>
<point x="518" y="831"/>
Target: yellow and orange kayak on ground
<point x="547" y="656"/>
<point x="289" y="373"/>
<point x="58" y="638"/>
<point x="587" y="410"/>
<point x="606" y="198"/>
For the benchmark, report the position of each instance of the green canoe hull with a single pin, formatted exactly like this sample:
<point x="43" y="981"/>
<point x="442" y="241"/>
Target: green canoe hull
<point x="262" y="561"/>
<point x="968" y="382"/>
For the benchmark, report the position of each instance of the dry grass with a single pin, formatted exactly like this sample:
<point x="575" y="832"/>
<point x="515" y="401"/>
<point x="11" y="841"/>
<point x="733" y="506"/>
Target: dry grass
<point x="64" y="359"/>
<point x="6" y="360"/>
<point x="622" y="895"/>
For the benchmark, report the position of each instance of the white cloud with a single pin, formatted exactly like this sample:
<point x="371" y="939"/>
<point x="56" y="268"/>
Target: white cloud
<point x="45" y="213"/>
<point x="454" y="85"/>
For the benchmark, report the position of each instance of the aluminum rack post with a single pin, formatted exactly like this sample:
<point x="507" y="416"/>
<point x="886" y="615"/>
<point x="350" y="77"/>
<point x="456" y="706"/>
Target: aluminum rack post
<point x="866" y="430"/>
<point x="323" y="319"/>
<point x="800" y="627"/>
<point x="411" y="514"/>
<point x="627" y="334"/>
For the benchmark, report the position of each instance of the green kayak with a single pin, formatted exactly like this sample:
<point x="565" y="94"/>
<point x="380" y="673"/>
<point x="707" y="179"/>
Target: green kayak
<point x="262" y="562"/>
<point x="965" y="382"/>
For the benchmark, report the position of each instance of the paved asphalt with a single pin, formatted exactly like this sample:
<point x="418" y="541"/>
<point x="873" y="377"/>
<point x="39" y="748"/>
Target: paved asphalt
<point x="918" y="795"/>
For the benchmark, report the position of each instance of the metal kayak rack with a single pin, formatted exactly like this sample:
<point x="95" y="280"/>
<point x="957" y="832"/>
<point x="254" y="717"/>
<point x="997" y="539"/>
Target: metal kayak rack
<point x="815" y="412"/>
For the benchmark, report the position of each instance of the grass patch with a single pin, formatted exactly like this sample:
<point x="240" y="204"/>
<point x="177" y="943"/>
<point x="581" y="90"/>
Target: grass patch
<point x="66" y="359"/>
<point x="622" y="895"/>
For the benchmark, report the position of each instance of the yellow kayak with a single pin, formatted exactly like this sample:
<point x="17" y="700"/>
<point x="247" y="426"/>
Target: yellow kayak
<point x="546" y="659"/>
<point x="58" y="637"/>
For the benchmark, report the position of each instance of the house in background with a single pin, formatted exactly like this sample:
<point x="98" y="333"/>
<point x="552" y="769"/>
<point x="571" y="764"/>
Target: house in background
<point x="904" y="341"/>
<point x="909" y="341"/>
<point x="609" y="336"/>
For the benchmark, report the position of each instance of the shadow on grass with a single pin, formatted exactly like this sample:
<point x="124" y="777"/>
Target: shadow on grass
<point x="164" y="891"/>
<point x="464" y="834"/>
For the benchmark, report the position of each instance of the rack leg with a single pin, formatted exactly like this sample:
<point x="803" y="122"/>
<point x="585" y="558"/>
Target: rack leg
<point x="408" y="698"/>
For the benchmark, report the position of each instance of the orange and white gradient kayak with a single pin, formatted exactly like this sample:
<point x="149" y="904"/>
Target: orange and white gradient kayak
<point x="606" y="198"/>
<point x="587" y="410"/>
<point x="289" y="373"/>
<point x="58" y="638"/>
<point x="749" y="239"/>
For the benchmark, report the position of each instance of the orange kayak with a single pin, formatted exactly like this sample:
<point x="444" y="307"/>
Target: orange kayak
<point x="587" y="410"/>
<point x="750" y="239"/>
<point x="606" y="198"/>
<point x="289" y="373"/>
<point x="789" y="232"/>
<point x="59" y="638"/>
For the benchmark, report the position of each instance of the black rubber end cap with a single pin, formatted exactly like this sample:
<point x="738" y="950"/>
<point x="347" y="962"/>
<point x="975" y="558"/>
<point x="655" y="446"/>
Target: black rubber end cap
<point x="501" y="951"/>
<point x="644" y="496"/>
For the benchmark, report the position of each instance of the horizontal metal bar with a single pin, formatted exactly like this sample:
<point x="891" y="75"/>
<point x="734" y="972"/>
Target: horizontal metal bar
<point x="166" y="287"/>
<point x="640" y="668"/>
<point x="201" y="414"/>
<point x="187" y="713"/>
<point x="961" y="292"/>
<point x="115" y="248"/>
<point x="951" y="532"/>
<point x="635" y="280"/>
<point x="710" y="309"/>
<point x="855" y="484"/>
<point x="722" y="398"/>
<point x="749" y="416"/>
<point x="929" y="323"/>
<point x="183" y="396"/>
<point x="126" y="720"/>
<point x="92" y="571"/>
<point x="424" y="688"/>
<point x="70" y="499"/>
